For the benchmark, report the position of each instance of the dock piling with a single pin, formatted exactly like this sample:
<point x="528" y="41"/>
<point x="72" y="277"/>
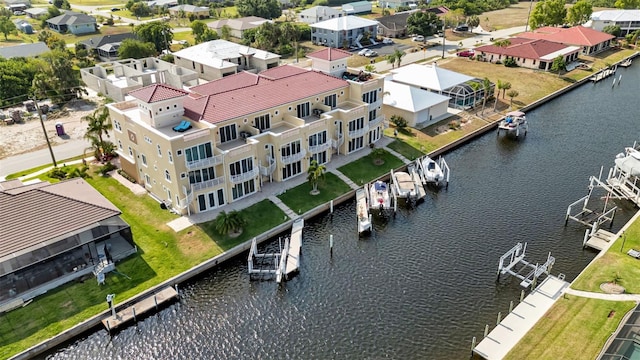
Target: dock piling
<point x="331" y="206"/>
<point x="473" y="344"/>
<point x="499" y="318"/>
<point x="134" y="315"/>
<point x="510" y="306"/>
<point x="521" y="295"/>
<point x="486" y="330"/>
<point x="331" y="245"/>
<point x="155" y="301"/>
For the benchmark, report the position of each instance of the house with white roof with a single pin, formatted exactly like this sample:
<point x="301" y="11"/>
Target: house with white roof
<point x="344" y="31"/>
<point x="218" y="58"/>
<point x="358" y="7"/>
<point x="200" y="12"/>
<point x="441" y="81"/>
<point x="627" y="20"/>
<point x="318" y="14"/>
<point x="237" y="26"/>
<point x="419" y="107"/>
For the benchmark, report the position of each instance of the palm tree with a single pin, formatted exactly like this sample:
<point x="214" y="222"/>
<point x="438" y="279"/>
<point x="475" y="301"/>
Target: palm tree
<point x="512" y="94"/>
<point x="486" y="86"/>
<point x="505" y="86"/>
<point x="370" y="68"/>
<point x="391" y="59"/>
<point x="314" y="174"/>
<point x="99" y="125"/>
<point x="397" y="55"/>
<point x="231" y="222"/>
<point x="502" y="43"/>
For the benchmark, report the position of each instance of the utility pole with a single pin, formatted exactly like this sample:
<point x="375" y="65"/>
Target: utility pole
<point x="44" y="130"/>
<point x="444" y="33"/>
<point x="526" y="26"/>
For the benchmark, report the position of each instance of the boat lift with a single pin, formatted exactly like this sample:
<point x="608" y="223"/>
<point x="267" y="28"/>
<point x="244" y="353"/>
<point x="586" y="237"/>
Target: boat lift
<point x="579" y="210"/>
<point x="262" y="266"/>
<point x="392" y="197"/>
<point x="443" y="166"/>
<point x="522" y="269"/>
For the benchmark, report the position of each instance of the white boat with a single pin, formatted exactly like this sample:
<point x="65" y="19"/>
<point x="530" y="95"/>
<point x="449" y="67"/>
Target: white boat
<point x="408" y="185"/>
<point x="432" y="171"/>
<point x="626" y="63"/>
<point x="362" y="209"/>
<point x="514" y="122"/>
<point x="629" y="161"/>
<point x="379" y="196"/>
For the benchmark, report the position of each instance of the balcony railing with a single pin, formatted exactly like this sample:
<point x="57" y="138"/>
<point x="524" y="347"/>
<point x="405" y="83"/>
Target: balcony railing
<point x="212" y="161"/>
<point x="239" y="178"/>
<point x="319" y="148"/>
<point x="375" y="122"/>
<point x="293" y="158"/>
<point x="269" y="169"/>
<point x="336" y="143"/>
<point x="359" y="132"/>
<point x="207" y="184"/>
<point x="185" y="201"/>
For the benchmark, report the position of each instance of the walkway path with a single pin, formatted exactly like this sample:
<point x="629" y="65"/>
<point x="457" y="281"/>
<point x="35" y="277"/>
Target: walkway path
<point x="277" y="202"/>
<point x="601" y="296"/>
<point x="398" y="155"/>
<point x="344" y="178"/>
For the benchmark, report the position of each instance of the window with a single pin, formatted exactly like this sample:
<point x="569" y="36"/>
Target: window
<point x="116" y="125"/>
<point x="179" y="152"/>
<point x="330" y="100"/>
<point x="303" y="110"/>
<point x="318" y="138"/>
<point x="263" y="122"/>
<point x="355" y="144"/>
<point x="374" y="135"/>
<point x="159" y="151"/>
<point x="119" y="144"/>
<point x="147" y="179"/>
<point x="167" y="176"/>
<point x="370" y="97"/>
<point x="320" y="157"/>
<point x="130" y="151"/>
<point x="356" y="124"/>
<point x="170" y="156"/>
<point x="372" y="115"/>
<point x="292" y="169"/>
<point x="198" y="152"/>
<point x="291" y="148"/>
<point x="243" y="189"/>
<point x="241" y="167"/>
<point x="144" y="159"/>
<point x="228" y="133"/>
<point x="201" y="175"/>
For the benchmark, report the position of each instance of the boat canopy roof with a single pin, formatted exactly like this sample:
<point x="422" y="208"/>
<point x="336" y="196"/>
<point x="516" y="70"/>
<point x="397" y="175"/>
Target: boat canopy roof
<point x="515" y="113"/>
<point x="629" y="164"/>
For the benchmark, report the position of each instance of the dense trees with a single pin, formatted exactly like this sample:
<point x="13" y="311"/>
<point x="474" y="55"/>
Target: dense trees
<point x="276" y="37"/>
<point x="201" y="32"/>
<point x="548" y="13"/>
<point x="135" y="49"/>
<point x="579" y="13"/>
<point x="614" y="30"/>
<point x="16" y="75"/>
<point x="423" y="23"/>
<point x="472" y="7"/>
<point x="57" y="77"/>
<point x="627" y="4"/>
<point x="7" y="27"/>
<point x="157" y="32"/>
<point x="268" y="9"/>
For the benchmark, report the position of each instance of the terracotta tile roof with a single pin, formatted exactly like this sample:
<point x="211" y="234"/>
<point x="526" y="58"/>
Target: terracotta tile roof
<point x="157" y="92"/>
<point x="264" y="95"/>
<point x="280" y="72"/>
<point x="577" y="35"/>
<point x="329" y="54"/>
<point x="524" y="48"/>
<point x="227" y="83"/>
<point x="30" y="218"/>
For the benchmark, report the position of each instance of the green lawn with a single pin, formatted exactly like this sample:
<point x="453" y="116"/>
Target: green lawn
<point x="366" y="169"/>
<point x="615" y="262"/>
<point x="406" y="150"/>
<point x="574" y="328"/>
<point x="38" y="168"/>
<point x="300" y="200"/>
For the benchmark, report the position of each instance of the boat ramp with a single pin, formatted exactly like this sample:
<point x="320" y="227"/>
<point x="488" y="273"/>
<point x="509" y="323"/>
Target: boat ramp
<point x="138" y="309"/>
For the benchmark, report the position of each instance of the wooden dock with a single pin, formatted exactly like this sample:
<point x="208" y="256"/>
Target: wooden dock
<point x="600" y="240"/>
<point x="138" y="309"/>
<point x="602" y="74"/>
<point x="295" y="245"/>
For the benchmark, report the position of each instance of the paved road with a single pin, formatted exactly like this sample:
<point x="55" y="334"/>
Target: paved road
<point x="37" y="158"/>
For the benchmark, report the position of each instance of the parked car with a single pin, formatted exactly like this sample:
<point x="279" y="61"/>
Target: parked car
<point x="462" y="28"/>
<point x="371" y="53"/>
<point x="466" y="53"/>
<point x="18" y="13"/>
<point x="387" y="41"/>
<point x="115" y="9"/>
<point x="418" y="38"/>
<point x="363" y="52"/>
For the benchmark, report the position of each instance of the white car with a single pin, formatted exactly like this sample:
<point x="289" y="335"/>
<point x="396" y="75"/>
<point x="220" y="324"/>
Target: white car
<point x="418" y="38"/>
<point x="371" y="53"/>
<point x="363" y="52"/>
<point x="387" y="41"/>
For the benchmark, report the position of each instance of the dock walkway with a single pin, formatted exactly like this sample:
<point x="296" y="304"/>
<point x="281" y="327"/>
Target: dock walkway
<point x="143" y="306"/>
<point x="295" y="245"/>
<point x="516" y="325"/>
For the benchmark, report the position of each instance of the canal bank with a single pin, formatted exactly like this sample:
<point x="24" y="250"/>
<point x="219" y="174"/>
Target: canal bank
<point x="238" y="250"/>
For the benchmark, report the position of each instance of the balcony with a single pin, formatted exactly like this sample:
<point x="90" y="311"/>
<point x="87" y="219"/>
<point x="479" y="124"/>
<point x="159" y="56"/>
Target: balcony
<point x="293" y="158"/>
<point x="319" y="148"/>
<point x="375" y="122"/>
<point x="185" y="201"/>
<point x="336" y="143"/>
<point x="359" y="132"/>
<point x="240" y="178"/>
<point x="212" y="161"/>
<point x="207" y="184"/>
<point x="269" y="169"/>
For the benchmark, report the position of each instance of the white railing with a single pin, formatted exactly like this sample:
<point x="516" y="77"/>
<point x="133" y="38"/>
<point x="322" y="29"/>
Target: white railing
<point x="319" y="148"/>
<point x="212" y="161"/>
<point x="239" y="178"/>
<point x="207" y="184"/>
<point x="336" y="143"/>
<point x="185" y="201"/>
<point x="268" y="170"/>
<point x="375" y="122"/>
<point x="293" y="158"/>
<point x="359" y="132"/>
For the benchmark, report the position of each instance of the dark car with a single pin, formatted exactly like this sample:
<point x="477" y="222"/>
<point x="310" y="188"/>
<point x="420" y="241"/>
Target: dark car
<point x="462" y="28"/>
<point x="115" y="9"/>
<point x="466" y="53"/>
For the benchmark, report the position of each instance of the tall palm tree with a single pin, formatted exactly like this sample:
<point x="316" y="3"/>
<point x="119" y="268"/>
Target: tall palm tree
<point x="314" y="174"/>
<point x="512" y="94"/>
<point x="505" y="86"/>
<point x="486" y="86"/>
<point x="397" y="55"/>
<point x="98" y="125"/>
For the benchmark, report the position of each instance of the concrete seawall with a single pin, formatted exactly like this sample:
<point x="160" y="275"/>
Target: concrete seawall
<point x="95" y="321"/>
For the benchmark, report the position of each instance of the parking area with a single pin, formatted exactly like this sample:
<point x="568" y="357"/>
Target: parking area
<point x="383" y="49"/>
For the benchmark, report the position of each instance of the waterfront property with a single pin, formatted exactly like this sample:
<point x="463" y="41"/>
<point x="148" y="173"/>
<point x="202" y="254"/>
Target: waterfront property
<point x="53" y="234"/>
<point x="218" y="58"/>
<point x="628" y="20"/>
<point x="245" y="129"/>
<point x="589" y="40"/>
<point x="532" y="54"/>
<point x="419" y="107"/>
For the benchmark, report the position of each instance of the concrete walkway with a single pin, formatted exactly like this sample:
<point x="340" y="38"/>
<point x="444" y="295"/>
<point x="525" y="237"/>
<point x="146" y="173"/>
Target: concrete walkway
<point x="601" y="296"/>
<point x="344" y="178"/>
<point x="399" y="156"/>
<point x="277" y="202"/>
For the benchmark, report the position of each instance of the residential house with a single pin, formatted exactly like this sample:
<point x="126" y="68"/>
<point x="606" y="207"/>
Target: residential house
<point x="26" y="3"/>
<point x="419" y="107"/>
<point x="218" y="58"/>
<point x="37" y="13"/>
<point x="53" y="234"/>
<point x="442" y="81"/>
<point x="165" y="4"/>
<point x="24" y="50"/>
<point x="318" y="13"/>
<point x="118" y="78"/>
<point x="221" y="141"/>
<point x="74" y="23"/>
<point x="330" y="61"/>
<point x="105" y="47"/>
<point x="344" y="32"/>
<point x="237" y="26"/>
<point x="589" y="40"/>
<point x="394" y="4"/>
<point x="627" y="20"/>
<point x="358" y="7"/>
<point x="17" y="7"/>
<point x="190" y="11"/>
<point x="23" y="26"/>
<point x="394" y="26"/>
<point x="532" y="54"/>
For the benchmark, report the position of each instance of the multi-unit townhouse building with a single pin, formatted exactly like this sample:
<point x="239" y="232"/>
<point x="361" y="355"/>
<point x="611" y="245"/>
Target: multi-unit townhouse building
<point x="244" y="130"/>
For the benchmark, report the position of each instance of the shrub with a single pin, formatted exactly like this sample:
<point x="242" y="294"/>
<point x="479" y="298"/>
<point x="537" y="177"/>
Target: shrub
<point x="126" y="176"/>
<point x="453" y="125"/>
<point x="57" y="173"/>
<point x="509" y="62"/>
<point x="104" y="169"/>
<point x="399" y="121"/>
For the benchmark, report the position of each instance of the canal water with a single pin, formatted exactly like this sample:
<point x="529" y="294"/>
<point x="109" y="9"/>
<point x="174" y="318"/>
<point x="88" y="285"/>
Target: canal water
<point x="425" y="282"/>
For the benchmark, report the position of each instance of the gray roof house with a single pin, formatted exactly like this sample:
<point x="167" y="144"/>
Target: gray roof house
<point x="106" y="46"/>
<point x="75" y="23"/>
<point x="358" y="7"/>
<point x="24" y="50"/>
<point x="201" y="12"/>
<point x="318" y="13"/>
<point x="53" y="234"/>
<point x="37" y="13"/>
<point x="345" y="31"/>
<point x="237" y="26"/>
